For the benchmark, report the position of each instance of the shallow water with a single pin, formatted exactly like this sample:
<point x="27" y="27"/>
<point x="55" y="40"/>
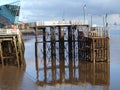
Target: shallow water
<point x="80" y="76"/>
<point x="112" y="71"/>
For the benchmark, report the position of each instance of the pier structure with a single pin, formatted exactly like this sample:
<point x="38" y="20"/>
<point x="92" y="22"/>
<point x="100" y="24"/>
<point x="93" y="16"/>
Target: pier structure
<point x="71" y="40"/>
<point x="71" y="53"/>
<point x="11" y="48"/>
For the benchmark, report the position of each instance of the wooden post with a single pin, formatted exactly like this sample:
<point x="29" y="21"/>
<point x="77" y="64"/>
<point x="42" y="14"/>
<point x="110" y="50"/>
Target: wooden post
<point x="81" y="44"/>
<point x="94" y="76"/>
<point x="16" y="50"/>
<point x="53" y="54"/>
<point x="93" y="51"/>
<point x="105" y="49"/>
<point x="70" y="41"/>
<point x="44" y="54"/>
<point x="1" y="54"/>
<point x="73" y="49"/>
<point x="61" y="54"/>
<point x="70" y="53"/>
<point x="36" y="46"/>
<point x="20" y="51"/>
<point x="108" y="49"/>
<point x="73" y="36"/>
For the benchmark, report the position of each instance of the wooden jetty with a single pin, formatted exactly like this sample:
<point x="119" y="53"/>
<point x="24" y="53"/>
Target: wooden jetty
<point x="90" y="43"/>
<point x="11" y="48"/>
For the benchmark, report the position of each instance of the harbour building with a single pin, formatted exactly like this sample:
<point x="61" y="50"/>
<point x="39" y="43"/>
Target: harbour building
<point x="9" y="12"/>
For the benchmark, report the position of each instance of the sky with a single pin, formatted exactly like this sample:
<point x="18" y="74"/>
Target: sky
<point x="46" y="10"/>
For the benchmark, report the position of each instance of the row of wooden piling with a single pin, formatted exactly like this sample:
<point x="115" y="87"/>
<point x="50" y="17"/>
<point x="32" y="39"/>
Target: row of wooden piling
<point x="88" y="48"/>
<point x="85" y="48"/>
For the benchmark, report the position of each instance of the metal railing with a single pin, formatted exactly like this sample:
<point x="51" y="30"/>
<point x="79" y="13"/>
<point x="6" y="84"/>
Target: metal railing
<point x="98" y="32"/>
<point x="9" y="31"/>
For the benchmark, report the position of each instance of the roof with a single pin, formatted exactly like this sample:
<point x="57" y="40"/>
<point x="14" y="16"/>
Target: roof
<point x="2" y="2"/>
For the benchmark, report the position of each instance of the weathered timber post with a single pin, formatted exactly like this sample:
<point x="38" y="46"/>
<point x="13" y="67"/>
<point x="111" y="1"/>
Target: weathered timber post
<point x="53" y="53"/>
<point x="36" y="46"/>
<point x="73" y="40"/>
<point x="93" y="50"/>
<point x="61" y="54"/>
<point x="70" y="53"/>
<point x="16" y="51"/>
<point x="1" y="56"/>
<point x="21" y="49"/>
<point x="81" y="43"/>
<point x="44" y="54"/>
<point x="108" y="49"/>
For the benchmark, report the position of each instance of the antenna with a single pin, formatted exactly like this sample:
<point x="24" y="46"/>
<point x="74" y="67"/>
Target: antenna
<point x="84" y="8"/>
<point x="106" y="19"/>
<point x="63" y="16"/>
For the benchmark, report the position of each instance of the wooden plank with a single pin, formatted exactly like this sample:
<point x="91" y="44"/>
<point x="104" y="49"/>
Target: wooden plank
<point x="16" y="51"/>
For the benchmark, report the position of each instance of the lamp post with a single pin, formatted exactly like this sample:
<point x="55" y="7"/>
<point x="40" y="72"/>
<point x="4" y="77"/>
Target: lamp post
<point x="102" y="17"/>
<point x="84" y="7"/>
<point x="91" y="19"/>
<point x="106" y="20"/>
<point x="103" y="21"/>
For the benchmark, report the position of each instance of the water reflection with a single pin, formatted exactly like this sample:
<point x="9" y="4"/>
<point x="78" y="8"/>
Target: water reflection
<point x="82" y="73"/>
<point x="103" y="70"/>
<point x="11" y="78"/>
<point x="61" y="57"/>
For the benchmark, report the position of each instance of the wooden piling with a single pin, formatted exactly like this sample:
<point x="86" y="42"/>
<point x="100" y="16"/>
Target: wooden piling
<point x="36" y="46"/>
<point x="1" y="54"/>
<point x="61" y="53"/>
<point x="70" y="42"/>
<point x="53" y="53"/>
<point x="70" y="33"/>
<point x="16" y="51"/>
<point x="44" y="54"/>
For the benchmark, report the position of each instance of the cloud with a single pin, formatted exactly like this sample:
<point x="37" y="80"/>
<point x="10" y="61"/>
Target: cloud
<point x="104" y="6"/>
<point x="36" y="10"/>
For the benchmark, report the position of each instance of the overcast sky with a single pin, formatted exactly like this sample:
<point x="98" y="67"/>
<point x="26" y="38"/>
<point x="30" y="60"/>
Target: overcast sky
<point x="41" y="10"/>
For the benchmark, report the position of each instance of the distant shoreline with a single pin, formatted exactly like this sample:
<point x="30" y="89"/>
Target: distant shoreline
<point x="30" y="32"/>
